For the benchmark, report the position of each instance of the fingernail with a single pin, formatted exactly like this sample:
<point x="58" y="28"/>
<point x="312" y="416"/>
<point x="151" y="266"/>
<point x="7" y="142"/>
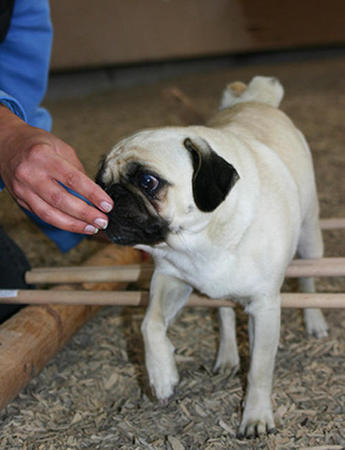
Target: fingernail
<point x="106" y="206"/>
<point x="101" y="223"/>
<point x="89" y="229"/>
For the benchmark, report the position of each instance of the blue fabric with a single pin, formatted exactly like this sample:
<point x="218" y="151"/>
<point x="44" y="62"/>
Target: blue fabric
<point x="24" y="68"/>
<point x="64" y="240"/>
<point x="24" y="61"/>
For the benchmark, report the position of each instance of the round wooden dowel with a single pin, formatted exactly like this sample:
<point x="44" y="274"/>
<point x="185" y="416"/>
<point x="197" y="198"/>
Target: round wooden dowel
<point x="315" y="300"/>
<point x="335" y="223"/>
<point x="88" y="274"/>
<point x="183" y="106"/>
<point x="324" y="267"/>
<point x="140" y="298"/>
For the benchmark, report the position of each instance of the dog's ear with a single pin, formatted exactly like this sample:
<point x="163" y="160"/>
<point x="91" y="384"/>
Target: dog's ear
<point x="213" y="177"/>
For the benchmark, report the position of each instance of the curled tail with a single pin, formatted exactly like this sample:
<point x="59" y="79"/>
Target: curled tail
<point x="261" y="89"/>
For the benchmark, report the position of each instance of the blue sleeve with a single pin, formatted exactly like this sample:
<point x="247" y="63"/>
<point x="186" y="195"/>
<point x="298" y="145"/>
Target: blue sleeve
<point x="24" y="68"/>
<point x="24" y="61"/>
<point x="13" y="105"/>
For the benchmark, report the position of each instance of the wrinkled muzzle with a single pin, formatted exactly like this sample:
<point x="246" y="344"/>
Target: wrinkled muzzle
<point x="131" y="222"/>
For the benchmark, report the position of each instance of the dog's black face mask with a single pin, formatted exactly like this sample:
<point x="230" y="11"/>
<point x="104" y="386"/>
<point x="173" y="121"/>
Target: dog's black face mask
<point x="131" y="222"/>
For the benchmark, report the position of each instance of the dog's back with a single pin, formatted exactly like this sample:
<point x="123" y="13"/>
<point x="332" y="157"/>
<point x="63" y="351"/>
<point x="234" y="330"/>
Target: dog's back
<point x="252" y="113"/>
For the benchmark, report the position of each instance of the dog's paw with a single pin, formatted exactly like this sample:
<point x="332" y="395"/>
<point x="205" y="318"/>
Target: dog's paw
<point x="258" y="422"/>
<point x="163" y="383"/>
<point x="315" y="323"/>
<point x="226" y="365"/>
<point x="256" y="429"/>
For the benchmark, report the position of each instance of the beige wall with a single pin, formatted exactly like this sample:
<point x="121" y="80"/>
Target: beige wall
<point x="107" y="32"/>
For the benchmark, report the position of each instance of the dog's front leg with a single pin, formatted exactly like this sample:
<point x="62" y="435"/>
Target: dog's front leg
<point x="167" y="296"/>
<point x="264" y="328"/>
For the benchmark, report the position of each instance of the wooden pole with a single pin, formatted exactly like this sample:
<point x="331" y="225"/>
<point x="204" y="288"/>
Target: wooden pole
<point x="324" y="267"/>
<point x="81" y="274"/>
<point x="335" y="223"/>
<point x="140" y="298"/>
<point x="30" y="338"/>
<point x="183" y="106"/>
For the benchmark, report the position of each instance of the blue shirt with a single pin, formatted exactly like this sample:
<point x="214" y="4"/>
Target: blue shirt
<point x="24" y="68"/>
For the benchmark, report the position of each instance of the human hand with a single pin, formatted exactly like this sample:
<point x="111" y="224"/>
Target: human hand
<point x="33" y="162"/>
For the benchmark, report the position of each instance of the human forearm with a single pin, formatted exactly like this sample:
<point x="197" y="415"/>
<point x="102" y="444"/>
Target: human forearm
<point x="33" y="162"/>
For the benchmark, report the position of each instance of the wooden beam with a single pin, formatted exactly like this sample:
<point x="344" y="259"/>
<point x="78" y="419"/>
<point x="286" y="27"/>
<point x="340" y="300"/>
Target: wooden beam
<point x="30" y="338"/>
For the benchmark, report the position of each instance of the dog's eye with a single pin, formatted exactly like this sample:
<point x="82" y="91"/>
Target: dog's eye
<point x="148" y="183"/>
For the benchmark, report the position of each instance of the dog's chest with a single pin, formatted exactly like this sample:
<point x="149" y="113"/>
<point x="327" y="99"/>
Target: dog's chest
<point x="217" y="274"/>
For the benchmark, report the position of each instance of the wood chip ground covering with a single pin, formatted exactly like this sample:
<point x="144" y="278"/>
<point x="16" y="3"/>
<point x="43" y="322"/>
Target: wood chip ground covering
<point x="94" y="394"/>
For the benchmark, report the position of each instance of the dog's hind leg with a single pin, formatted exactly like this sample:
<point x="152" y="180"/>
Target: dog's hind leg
<point x="311" y="246"/>
<point x="227" y="359"/>
<point x="168" y="295"/>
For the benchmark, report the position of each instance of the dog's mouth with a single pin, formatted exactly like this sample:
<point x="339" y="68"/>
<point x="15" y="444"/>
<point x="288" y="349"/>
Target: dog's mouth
<point x="132" y="222"/>
<point x="137" y="234"/>
<point x="116" y="238"/>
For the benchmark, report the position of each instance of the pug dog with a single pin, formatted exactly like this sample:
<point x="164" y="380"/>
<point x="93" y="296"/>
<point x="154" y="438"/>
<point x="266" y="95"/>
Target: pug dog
<point x="222" y="209"/>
